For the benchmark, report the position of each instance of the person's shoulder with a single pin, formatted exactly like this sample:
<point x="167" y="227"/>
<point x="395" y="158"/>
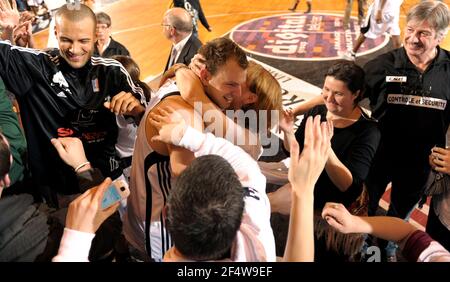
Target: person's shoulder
<point x="194" y="39"/>
<point x="385" y="58"/>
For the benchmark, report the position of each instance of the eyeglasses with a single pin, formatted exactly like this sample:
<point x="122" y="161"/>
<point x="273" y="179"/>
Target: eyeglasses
<point x="163" y="24"/>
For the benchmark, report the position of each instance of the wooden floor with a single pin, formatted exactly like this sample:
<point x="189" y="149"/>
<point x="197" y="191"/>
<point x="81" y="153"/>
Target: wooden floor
<point x="136" y="23"/>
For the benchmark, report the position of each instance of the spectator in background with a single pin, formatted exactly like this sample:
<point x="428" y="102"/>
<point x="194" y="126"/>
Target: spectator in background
<point x="194" y="8"/>
<point x="348" y="10"/>
<point x="105" y="45"/>
<point x="382" y="16"/>
<point x="296" y="2"/>
<point x="177" y="27"/>
<point x="409" y="130"/>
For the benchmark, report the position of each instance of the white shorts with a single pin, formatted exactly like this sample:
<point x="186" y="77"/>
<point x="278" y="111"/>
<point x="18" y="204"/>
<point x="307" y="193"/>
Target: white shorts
<point x="389" y="24"/>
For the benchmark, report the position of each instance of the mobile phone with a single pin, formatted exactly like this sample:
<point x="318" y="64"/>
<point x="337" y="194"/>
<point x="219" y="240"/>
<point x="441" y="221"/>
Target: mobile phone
<point x="117" y="191"/>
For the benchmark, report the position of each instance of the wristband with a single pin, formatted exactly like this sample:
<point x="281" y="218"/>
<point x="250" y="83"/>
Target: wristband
<point x="81" y="165"/>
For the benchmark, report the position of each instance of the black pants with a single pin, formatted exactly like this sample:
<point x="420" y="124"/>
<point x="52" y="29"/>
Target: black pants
<point x="407" y="175"/>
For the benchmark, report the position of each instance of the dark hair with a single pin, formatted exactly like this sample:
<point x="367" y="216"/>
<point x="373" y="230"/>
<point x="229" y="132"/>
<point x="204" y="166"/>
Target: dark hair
<point x="5" y="157"/>
<point x="217" y="52"/>
<point x="103" y="18"/>
<point x="349" y="73"/>
<point x="135" y="73"/>
<point x="205" y="209"/>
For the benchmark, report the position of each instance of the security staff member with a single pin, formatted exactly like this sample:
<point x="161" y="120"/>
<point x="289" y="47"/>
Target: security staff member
<point x="409" y="90"/>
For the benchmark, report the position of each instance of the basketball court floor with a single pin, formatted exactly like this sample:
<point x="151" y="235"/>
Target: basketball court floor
<point x="297" y="59"/>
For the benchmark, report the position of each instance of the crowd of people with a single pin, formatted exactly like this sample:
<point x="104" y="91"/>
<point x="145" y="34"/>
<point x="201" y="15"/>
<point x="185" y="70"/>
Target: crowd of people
<point x="76" y="118"/>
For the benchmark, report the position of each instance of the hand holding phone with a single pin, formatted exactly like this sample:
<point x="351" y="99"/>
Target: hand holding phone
<point x="117" y="191"/>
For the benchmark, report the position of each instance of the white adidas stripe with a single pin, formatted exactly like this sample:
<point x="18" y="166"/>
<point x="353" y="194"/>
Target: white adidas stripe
<point x="23" y="49"/>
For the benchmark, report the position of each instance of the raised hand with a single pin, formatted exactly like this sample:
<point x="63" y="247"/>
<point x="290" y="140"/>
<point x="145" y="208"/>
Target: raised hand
<point x="197" y="64"/>
<point x="9" y="15"/>
<point x="305" y="168"/>
<point x="287" y="120"/>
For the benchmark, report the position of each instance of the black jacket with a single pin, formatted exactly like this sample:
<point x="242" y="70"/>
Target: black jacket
<point x="114" y="48"/>
<point x="187" y="53"/>
<point x="59" y="101"/>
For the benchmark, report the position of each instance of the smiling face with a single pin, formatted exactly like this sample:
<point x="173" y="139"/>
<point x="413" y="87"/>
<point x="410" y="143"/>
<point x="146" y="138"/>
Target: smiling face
<point x="75" y="40"/>
<point x="103" y="31"/>
<point x="420" y="39"/>
<point x="339" y="100"/>
<point x="225" y="85"/>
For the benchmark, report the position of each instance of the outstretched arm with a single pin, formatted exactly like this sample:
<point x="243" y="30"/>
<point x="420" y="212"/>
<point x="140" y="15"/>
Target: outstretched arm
<point x="304" y="170"/>
<point x="384" y="227"/>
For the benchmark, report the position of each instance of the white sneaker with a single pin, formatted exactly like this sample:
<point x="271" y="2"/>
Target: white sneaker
<point x="348" y="56"/>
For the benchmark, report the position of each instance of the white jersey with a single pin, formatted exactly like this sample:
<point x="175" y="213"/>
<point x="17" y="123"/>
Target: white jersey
<point x="254" y="239"/>
<point x="150" y="183"/>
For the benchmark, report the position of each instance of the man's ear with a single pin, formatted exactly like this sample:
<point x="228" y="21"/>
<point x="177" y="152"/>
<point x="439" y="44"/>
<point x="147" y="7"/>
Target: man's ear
<point x="205" y="76"/>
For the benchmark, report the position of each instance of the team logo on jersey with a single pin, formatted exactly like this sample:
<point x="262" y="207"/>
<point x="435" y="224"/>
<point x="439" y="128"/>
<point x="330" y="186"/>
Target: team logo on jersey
<point x="59" y="79"/>
<point x="95" y="85"/>
<point x="315" y="36"/>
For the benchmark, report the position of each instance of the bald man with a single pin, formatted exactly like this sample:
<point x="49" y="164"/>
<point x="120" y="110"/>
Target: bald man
<point x="68" y="99"/>
<point x="177" y="27"/>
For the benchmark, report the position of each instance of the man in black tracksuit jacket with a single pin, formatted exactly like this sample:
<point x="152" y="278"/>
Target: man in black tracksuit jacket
<point x="67" y="99"/>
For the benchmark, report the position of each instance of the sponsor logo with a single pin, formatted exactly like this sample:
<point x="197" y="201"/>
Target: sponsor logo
<point x="306" y="37"/>
<point x="65" y="132"/>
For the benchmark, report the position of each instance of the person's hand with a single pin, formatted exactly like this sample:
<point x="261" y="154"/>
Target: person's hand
<point x="209" y="29"/>
<point x="22" y="34"/>
<point x="9" y="15"/>
<point x="197" y="64"/>
<point x="287" y="120"/>
<point x="125" y="103"/>
<point x="85" y="213"/>
<point x="379" y="17"/>
<point x="440" y="159"/>
<point x="305" y="168"/>
<point x="339" y="218"/>
<point x="170" y="73"/>
<point x="71" y="151"/>
<point x="281" y="200"/>
<point x="170" y="125"/>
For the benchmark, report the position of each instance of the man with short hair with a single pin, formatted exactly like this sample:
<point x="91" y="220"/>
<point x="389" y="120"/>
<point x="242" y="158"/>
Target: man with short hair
<point x="67" y="99"/>
<point x="106" y="46"/>
<point x="177" y="27"/>
<point x="409" y="94"/>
